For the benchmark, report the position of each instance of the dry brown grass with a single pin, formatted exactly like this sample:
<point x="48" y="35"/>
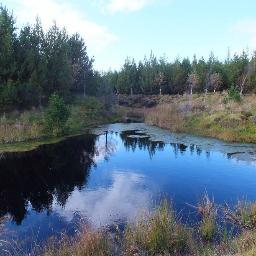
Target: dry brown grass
<point x="206" y="115"/>
<point x="87" y="243"/>
<point x="18" y="127"/>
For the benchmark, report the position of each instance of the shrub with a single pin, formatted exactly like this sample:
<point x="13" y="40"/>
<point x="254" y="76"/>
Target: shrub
<point x="89" y="103"/>
<point x="56" y="115"/>
<point x="233" y="94"/>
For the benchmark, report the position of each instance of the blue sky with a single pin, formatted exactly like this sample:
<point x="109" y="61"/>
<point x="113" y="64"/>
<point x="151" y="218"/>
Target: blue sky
<point x="115" y="29"/>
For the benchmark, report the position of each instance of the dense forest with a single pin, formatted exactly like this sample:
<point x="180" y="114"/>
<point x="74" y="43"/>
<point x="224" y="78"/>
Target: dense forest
<point x="154" y="76"/>
<point x="35" y="63"/>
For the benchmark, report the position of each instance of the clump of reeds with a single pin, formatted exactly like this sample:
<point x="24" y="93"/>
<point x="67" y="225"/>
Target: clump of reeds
<point x="244" y="215"/>
<point x="159" y="233"/>
<point x="207" y="211"/>
<point x="87" y="243"/>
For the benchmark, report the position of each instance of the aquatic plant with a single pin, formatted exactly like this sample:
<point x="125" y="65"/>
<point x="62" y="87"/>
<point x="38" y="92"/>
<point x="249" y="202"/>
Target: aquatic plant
<point x="207" y="211"/>
<point x="160" y="232"/>
<point x="244" y="214"/>
<point x="87" y="243"/>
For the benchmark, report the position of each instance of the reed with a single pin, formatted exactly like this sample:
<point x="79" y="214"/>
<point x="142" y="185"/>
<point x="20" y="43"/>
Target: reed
<point x="159" y="233"/>
<point x="162" y="232"/>
<point x="87" y="243"/>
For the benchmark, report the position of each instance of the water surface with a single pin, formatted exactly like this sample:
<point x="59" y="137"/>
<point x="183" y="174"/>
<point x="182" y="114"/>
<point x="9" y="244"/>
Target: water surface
<point x="109" y="176"/>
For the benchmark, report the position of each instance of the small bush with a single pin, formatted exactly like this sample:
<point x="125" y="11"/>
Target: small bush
<point x="233" y="94"/>
<point x="89" y="103"/>
<point x="56" y="115"/>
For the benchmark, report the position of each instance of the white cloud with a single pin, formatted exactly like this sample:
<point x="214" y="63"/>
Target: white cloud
<point x="114" y="6"/>
<point x="125" y="6"/>
<point x="97" y="37"/>
<point x="124" y="199"/>
<point x="247" y="30"/>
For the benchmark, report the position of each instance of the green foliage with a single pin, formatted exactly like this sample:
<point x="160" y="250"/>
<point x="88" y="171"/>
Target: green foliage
<point x="91" y="103"/>
<point x="208" y="229"/>
<point x="212" y="75"/>
<point x="8" y="95"/>
<point x="35" y="63"/>
<point x="56" y="115"/>
<point x="233" y="94"/>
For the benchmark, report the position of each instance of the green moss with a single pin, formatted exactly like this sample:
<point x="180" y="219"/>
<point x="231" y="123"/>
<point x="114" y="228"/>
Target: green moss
<point x="28" y="146"/>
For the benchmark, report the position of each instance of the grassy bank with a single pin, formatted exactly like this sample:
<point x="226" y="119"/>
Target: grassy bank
<point x="162" y="232"/>
<point x="21" y="131"/>
<point x="204" y="114"/>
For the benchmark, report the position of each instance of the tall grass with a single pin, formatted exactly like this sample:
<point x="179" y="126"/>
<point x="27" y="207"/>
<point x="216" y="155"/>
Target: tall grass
<point x="159" y="233"/>
<point x="206" y="115"/>
<point x="29" y="125"/>
<point x="162" y="232"/>
<point x="18" y="127"/>
<point x="88" y="243"/>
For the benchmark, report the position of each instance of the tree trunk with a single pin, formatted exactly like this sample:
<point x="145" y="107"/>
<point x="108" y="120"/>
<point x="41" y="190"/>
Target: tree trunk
<point x="242" y="84"/>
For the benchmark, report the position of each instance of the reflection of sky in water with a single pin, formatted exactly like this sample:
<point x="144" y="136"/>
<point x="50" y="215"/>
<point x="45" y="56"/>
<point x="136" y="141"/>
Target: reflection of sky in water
<point x="130" y="172"/>
<point x="128" y="177"/>
<point x="238" y="151"/>
<point x="105" y="148"/>
<point x="123" y="199"/>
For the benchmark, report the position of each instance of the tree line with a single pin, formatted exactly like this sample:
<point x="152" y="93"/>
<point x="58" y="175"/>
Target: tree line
<point x="35" y="63"/>
<point x="159" y="76"/>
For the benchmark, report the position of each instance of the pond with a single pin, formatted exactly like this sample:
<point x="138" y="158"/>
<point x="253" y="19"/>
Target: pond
<point x="112" y="174"/>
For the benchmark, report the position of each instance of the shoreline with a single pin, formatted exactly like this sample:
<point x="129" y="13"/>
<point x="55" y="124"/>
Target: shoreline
<point x="201" y="114"/>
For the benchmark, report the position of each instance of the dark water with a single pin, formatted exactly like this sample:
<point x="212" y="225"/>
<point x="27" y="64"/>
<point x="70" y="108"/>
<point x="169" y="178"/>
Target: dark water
<point x="105" y="178"/>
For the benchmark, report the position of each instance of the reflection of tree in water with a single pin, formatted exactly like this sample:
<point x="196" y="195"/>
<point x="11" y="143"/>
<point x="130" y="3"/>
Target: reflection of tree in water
<point x="181" y="149"/>
<point x="178" y="148"/>
<point x="48" y="173"/>
<point x="105" y="147"/>
<point x="136" y="139"/>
